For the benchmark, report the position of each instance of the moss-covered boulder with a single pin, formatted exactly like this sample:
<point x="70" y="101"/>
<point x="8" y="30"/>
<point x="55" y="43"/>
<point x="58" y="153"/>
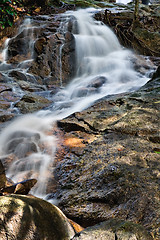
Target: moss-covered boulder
<point x="30" y="218"/>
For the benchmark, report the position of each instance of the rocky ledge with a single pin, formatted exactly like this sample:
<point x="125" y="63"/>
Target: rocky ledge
<point x="111" y="162"/>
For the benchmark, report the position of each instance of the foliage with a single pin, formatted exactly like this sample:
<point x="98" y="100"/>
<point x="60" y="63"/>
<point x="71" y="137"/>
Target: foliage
<point x="7" y="12"/>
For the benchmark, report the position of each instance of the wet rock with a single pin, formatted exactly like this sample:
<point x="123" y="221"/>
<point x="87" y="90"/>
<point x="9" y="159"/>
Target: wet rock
<point x="68" y="58"/>
<point x="24" y="134"/>
<point x="19" y="188"/>
<point x="4" y="88"/>
<point x="3" y="178"/>
<point x="142" y="65"/>
<point x="22" y="143"/>
<point x="31" y="87"/>
<point x="68" y="36"/>
<point x="30" y="103"/>
<point x="45" y="62"/>
<point x="7" y="96"/>
<point x="80" y="92"/>
<point x="6" y="161"/>
<point x="18" y="75"/>
<point x="39" y="45"/>
<point x="6" y="116"/>
<point x="114" y="229"/>
<point x="18" y="45"/>
<point x="98" y="82"/>
<point x="3" y="78"/>
<point x="21" y="148"/>
<point x="156" y="75"/>
<point x="83" y="92"/>
<point x="115" y="172"/>
<point x="46" y="221"/>
<point x="18" y="59"/>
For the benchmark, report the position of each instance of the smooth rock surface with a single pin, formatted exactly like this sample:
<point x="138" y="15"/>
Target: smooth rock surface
<point x="31" y="218"/>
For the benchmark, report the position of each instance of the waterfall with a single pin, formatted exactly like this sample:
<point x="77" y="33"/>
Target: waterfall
<point x="104" y="67"/>
<point x="5" y="51"/>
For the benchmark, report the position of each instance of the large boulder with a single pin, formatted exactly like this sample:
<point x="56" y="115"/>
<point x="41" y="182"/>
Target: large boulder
<point x="30" y="218"/>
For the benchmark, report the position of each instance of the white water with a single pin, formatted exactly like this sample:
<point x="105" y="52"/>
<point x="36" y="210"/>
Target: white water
<point x="123" y="1"/>
<point x="100" y="58"/>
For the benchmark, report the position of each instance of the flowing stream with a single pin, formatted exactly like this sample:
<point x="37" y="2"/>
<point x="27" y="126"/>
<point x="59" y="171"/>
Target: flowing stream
<point x="104" y="68"/>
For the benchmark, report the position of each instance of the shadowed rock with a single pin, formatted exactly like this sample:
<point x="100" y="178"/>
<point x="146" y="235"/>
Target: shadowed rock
<point x="3" y="178"/>
<point x="24" y="217"/>
<point x="20" y="188"/>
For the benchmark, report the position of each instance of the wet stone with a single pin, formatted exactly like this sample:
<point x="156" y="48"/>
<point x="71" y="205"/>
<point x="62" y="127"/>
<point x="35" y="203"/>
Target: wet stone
<point x="6" y="116"/>
<point x="3" y="178"/>
<point x="39" y="45"/>
<point x="21" y="147"/>
<point x="19" y="188"/>
<point x="98" y="82"/>
<point x="31" y="102"/>
<point x="18" y="75"/>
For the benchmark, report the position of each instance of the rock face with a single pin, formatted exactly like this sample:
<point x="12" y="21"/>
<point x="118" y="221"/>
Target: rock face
<point x="145" y="35"/>
<point x="27" y="218"/>
<point x="111" y="165"/>
<point x="52" y="51"/>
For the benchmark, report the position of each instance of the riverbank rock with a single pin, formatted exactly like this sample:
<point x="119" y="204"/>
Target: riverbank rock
<point x="111" y="165"/>
<point x="114" y="229"/>
<point x="24" y="217"/>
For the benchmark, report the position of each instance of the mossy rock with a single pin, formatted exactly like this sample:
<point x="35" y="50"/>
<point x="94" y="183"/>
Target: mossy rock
<point x="30" y="218"/>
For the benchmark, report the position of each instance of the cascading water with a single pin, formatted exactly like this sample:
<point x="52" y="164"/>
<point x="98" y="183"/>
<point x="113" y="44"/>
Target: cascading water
<point x="104" y="67"/>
